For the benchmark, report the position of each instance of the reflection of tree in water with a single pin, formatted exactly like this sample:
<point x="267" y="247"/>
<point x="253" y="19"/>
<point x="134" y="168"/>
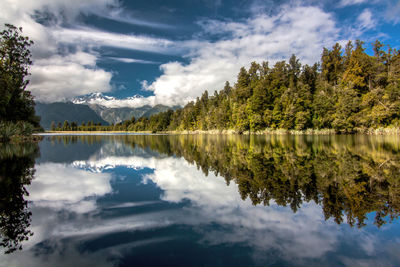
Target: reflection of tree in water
<point x="349" y="176"/>
<point x="16" y="171"/>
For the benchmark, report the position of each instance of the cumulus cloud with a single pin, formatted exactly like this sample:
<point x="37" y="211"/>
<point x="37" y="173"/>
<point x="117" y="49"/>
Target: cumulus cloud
<point x="295" y="30"/>
<point x="62" y="77"/>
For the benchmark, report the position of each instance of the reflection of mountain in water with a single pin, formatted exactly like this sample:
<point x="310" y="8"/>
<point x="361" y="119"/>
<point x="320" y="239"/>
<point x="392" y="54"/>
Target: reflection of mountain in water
<point x="16" y="171"/>
<point x="349" y="176"/>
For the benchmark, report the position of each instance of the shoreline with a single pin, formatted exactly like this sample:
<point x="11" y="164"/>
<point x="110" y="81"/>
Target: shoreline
<point x="378" y="131"/>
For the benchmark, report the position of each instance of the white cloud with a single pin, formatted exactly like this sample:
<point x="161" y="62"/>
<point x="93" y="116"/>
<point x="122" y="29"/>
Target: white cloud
<point x="62" y="77"/>
<point x="96" y="38"/>
<point x="216" y="202"/>
<point x="61" y="186"/>
<point x="133" y="60"/>
<point x="365" y="20"/>
<point x="121" y="15"/>
<point x="344" y="3"/>
<point x="212" y="201"/>
<point x="299" y="30"/>
<point x="392" y="11"/>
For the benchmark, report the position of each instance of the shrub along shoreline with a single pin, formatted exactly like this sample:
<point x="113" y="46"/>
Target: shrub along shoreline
<point x="20" y="131"/>
<point x="369" y="131"/>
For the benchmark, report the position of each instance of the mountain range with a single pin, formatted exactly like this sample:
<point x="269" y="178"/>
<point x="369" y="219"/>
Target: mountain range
<point x="94" y="107"/>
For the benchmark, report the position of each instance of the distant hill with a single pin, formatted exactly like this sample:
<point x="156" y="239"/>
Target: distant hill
<point x="116" y="115"/>
<point x="109" y="109"/>
<point x="60" y="111"/>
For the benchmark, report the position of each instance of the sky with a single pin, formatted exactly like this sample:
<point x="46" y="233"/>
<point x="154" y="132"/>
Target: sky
<point x="169" y="52"/>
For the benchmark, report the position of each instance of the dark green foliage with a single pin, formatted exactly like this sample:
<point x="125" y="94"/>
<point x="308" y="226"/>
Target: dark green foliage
<point x="16" y="103"/>
<point x="10" y="130"/>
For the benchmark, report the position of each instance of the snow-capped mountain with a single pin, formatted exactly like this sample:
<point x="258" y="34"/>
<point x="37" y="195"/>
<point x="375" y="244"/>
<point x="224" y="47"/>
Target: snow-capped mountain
<point x="100" y="99"/>
<point x="98" y="107"/>
<point x="93" y="98"/>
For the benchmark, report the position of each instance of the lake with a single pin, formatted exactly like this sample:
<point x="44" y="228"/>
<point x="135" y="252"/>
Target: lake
<point x="201" y="200"/>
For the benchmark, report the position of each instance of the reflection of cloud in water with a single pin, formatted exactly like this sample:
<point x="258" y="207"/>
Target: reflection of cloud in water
<point x="111" y="162"/>
<point x="60" y="186"/>
<point x="263" y="228"/>
<point x="61" y="190"/>
<point x="300" y="235"/>
<point x="63" y="255"/>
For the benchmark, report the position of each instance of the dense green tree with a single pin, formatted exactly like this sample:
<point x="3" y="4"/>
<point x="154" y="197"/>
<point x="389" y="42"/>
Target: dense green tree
<point x="332" y="64"/>
<point x="66" y="126"/>
<point x="16" y="103"/>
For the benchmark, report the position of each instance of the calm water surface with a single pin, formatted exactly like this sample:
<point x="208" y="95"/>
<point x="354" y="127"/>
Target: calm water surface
<point x="201" y="201"/>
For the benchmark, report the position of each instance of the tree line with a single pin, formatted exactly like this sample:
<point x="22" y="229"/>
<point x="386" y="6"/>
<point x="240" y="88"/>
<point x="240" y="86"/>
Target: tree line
<point x="348" y="91"/>
<point x="73" y="126"/>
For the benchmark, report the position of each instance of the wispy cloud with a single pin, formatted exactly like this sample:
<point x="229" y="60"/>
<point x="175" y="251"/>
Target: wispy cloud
<point x="344" y="3"/>
<point x="90" y="37"/>
<point x="120" y="15"/>
<point x="133" y="60"/>
<point x="365" y="20"/>
<point x="392" y="11"/>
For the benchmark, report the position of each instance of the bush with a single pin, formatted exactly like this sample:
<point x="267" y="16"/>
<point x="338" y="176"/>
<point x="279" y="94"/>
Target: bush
<point x="24" y="128"/>
<point x="9" y="130"/>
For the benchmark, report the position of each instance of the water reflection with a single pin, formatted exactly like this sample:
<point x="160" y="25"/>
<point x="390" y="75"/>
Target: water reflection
<point x="16" y="172"/>
<point x="208" y="200"/>
<point x="348" y="176"/>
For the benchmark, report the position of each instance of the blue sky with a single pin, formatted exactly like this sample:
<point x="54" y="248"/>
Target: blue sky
<point x="169" y="52"/>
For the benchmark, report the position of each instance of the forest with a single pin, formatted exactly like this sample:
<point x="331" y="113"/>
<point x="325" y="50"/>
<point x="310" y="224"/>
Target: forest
<point x="348" y="91"/>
